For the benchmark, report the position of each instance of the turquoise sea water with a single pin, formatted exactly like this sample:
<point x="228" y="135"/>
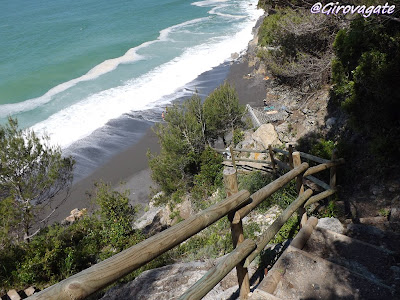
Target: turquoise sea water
<point x="69" y="67"/>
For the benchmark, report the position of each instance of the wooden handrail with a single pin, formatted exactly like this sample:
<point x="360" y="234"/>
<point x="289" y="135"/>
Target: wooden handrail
<point x="236" y="206"/>
<point x="108" y="271"/>
<point x="241" y="150"/>
<point x="305" y="155"/>
<point x="319" y="182"/>
<point x="324" y="166"/>
<point x="267" y="191"/>
<point x="273" y="229"/>
<point x="218" y="272"/>
<point x="319" y="197"/>
<point x="250" y="160"/>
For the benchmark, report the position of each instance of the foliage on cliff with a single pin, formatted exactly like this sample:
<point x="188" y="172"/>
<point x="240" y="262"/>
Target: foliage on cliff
<point x="32" y="173"/>
<point x="296" y="46"/>
<point x="185" y="160"/>
<point x="59" y="251"/>
<point x="366" y="76"/>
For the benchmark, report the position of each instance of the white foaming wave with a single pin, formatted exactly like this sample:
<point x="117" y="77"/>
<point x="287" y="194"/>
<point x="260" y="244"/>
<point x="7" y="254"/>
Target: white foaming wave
<point x="81" y="119"/>
<point x="208" y="2"/>
<point x="105" y="67"/>
<point x="215" y="12"/>
<point x="101" y="69"/>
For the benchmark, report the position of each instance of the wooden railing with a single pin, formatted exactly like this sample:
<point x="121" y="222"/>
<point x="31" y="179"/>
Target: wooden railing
<point x="236" y="206"/>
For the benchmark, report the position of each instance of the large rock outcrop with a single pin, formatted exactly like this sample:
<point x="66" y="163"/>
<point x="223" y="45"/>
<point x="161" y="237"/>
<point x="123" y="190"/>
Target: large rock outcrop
<point x="170" y="282"/>
<point x="266" y="135"/>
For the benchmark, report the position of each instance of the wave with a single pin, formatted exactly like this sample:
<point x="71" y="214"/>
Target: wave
<point x="81" y="119"/>
<point x="105" y="67"/>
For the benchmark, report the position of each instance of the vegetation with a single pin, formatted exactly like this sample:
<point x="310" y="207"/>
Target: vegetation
<point x="32" y="173"/>
<point x="296" y="46"/>
<point x="59" y="251"/>
<point x="365" y="74"/>
<point x="222" y="112"/>
<point x="185" y="160"/>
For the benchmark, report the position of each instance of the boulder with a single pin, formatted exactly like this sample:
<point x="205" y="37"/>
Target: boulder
<point x="330" y="122"/>
<point x="171" y="281"/>
<point x="266" y="135"/>
<point x="332" y="224"/>
<point x="395" y="214"/>
<point x="75" y="215"/>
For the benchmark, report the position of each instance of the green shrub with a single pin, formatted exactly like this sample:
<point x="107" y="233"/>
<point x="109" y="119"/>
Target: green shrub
<point x="323" y="148"/>
<point x="210" y="175"/>
<point x="59" y="251"/>
<point x="288" y="230"/>
<point x="365" y="75"/>
<point x="257" y="180"/>
<point x="296" y="47"/>
<point x="238" y="136"/>
<point x="253" y="181"/>
<point x="214" y="241"/>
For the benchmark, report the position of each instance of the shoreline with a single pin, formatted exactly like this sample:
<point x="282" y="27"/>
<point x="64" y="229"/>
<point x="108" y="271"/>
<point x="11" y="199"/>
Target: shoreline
<point x="130" y="166"/>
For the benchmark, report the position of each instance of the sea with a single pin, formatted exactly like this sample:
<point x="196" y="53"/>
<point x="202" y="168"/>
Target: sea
<point x="94" y="75"/>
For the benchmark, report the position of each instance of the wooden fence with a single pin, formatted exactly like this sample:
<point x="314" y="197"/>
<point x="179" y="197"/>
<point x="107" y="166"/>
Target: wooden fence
<point x="235" y="206"/>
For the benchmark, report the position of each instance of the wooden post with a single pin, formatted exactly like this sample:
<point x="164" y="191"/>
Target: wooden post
<point x="332" y="174"/>
<point x="231" y="187"/>
<point x="233" y="158"/>
<point x="291" y="156"/>
<point x="332" y="181"/>
<point x="271" y="155"/>
<point x="299" y="187"/>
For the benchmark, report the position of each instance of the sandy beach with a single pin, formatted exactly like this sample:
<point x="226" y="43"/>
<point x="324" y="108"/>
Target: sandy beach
<point x="129" y="169"/>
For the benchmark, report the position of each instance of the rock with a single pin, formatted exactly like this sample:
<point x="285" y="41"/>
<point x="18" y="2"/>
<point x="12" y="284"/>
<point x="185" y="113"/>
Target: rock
<point x="330" y="122"/>
<point x="235" y="55"/>
<point x="332" y="224"/>
<point x="170" y="282"/>
<point x="157" y="219"/>
<point x="264" y="220"/>
<point x="305" y="111"/>
<point x="372" y="233"/>
<point x="147" y="218"/>
<point x="395" y="214"/>
<point x="266" y="135"/>
<point x="75" y="215"/>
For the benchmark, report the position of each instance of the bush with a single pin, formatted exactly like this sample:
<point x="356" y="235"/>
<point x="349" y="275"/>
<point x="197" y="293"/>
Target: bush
<point x="297" y="47"/>
<point x="323" y="148"/>
<point x="238" y="136"/>
<point x="222" y="112"/>
<point x="253" y="181"/>
<point x="365" y="77"/>
<point x="59" y="251"/>
<point x="257" y="180"/>
<point x="32" y="173"/>
<point x="210" y="175"/>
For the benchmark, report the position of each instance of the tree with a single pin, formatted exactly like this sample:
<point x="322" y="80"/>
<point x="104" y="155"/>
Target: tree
<point x="32" y="173"/>
<point x="366" y="76"/>
<point x="182" y="139"/>
<point x="222" y="112"/>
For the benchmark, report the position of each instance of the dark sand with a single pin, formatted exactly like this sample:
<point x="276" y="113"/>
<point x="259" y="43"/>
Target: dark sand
<point x="250" y="90"/>
<point x="129" y="167"/>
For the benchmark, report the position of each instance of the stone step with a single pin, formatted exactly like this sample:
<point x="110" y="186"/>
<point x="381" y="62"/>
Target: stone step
<point x="373" y="235"/>
<point x="363" y="258"/>
<point x="261" y="295"/>
<point x="305" y="276"/>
